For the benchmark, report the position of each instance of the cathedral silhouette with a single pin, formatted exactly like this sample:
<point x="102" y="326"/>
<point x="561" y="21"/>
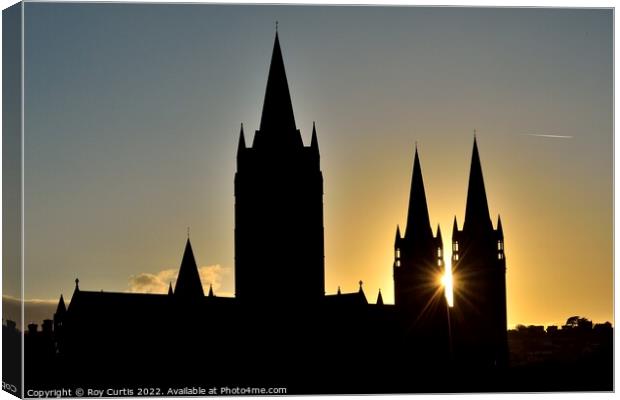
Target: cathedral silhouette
<point x="281" y="328"/>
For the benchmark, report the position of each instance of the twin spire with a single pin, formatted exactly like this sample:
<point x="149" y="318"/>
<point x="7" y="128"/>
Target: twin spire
<point x="476" y="213"/>
<point x="418" y="220"/>
<point x="477" y="216"/>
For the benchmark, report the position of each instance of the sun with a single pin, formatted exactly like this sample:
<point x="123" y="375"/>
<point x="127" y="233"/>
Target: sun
<point x="447" y="283"/>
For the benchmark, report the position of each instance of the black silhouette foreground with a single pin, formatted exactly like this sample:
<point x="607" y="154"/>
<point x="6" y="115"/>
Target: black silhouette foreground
<point x="281" y="329"/>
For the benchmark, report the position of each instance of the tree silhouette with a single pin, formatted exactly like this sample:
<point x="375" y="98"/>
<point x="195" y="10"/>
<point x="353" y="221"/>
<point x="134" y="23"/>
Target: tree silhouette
<point x="579" y="322"/>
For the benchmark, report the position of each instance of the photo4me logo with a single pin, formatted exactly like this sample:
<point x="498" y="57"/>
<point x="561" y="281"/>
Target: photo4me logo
<point x="9" y="387"/>
<point x="251" y="391"/>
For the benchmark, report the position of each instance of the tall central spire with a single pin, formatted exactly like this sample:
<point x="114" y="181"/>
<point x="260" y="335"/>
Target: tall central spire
<point x="277" y="107"/>
<point x="418" y="221"/>
<point x="477" y="209"/>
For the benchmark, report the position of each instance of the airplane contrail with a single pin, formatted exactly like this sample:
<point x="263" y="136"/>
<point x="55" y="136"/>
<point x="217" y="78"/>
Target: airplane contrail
<point x="549" y="136"/>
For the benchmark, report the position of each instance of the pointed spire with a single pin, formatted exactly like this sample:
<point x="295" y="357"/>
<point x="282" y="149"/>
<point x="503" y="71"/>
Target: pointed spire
<point x="438" y="236"/>
<point x="500" y="229"/>
<point x="170" y="292"/>
<point x="241" y="140"/>
<point x="379" y="299"/>
<point x="188" y="282"/>
<point x="477" y="209"/>
<point x="455" y="229"/>
<point x="211" y="290"/>
<point x="277" y="107"/>
<point x="61" y="309"/>
<point x="314" y="143"/>
<point x="397" y="233"/>
<point x="339" y="292"/>
<point x="76" y="291"/>
<point x="418" y="221"/>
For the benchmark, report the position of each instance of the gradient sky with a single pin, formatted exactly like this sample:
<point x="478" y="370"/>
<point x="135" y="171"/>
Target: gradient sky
<point x="133" y="112"/>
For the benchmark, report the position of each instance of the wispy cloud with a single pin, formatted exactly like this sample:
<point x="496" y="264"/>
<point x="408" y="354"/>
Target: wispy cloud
<point x="544" y="135"/>
<point x="146" y="282"/>
<point x="213" y="275"/>
<point x="158" y="282"/>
